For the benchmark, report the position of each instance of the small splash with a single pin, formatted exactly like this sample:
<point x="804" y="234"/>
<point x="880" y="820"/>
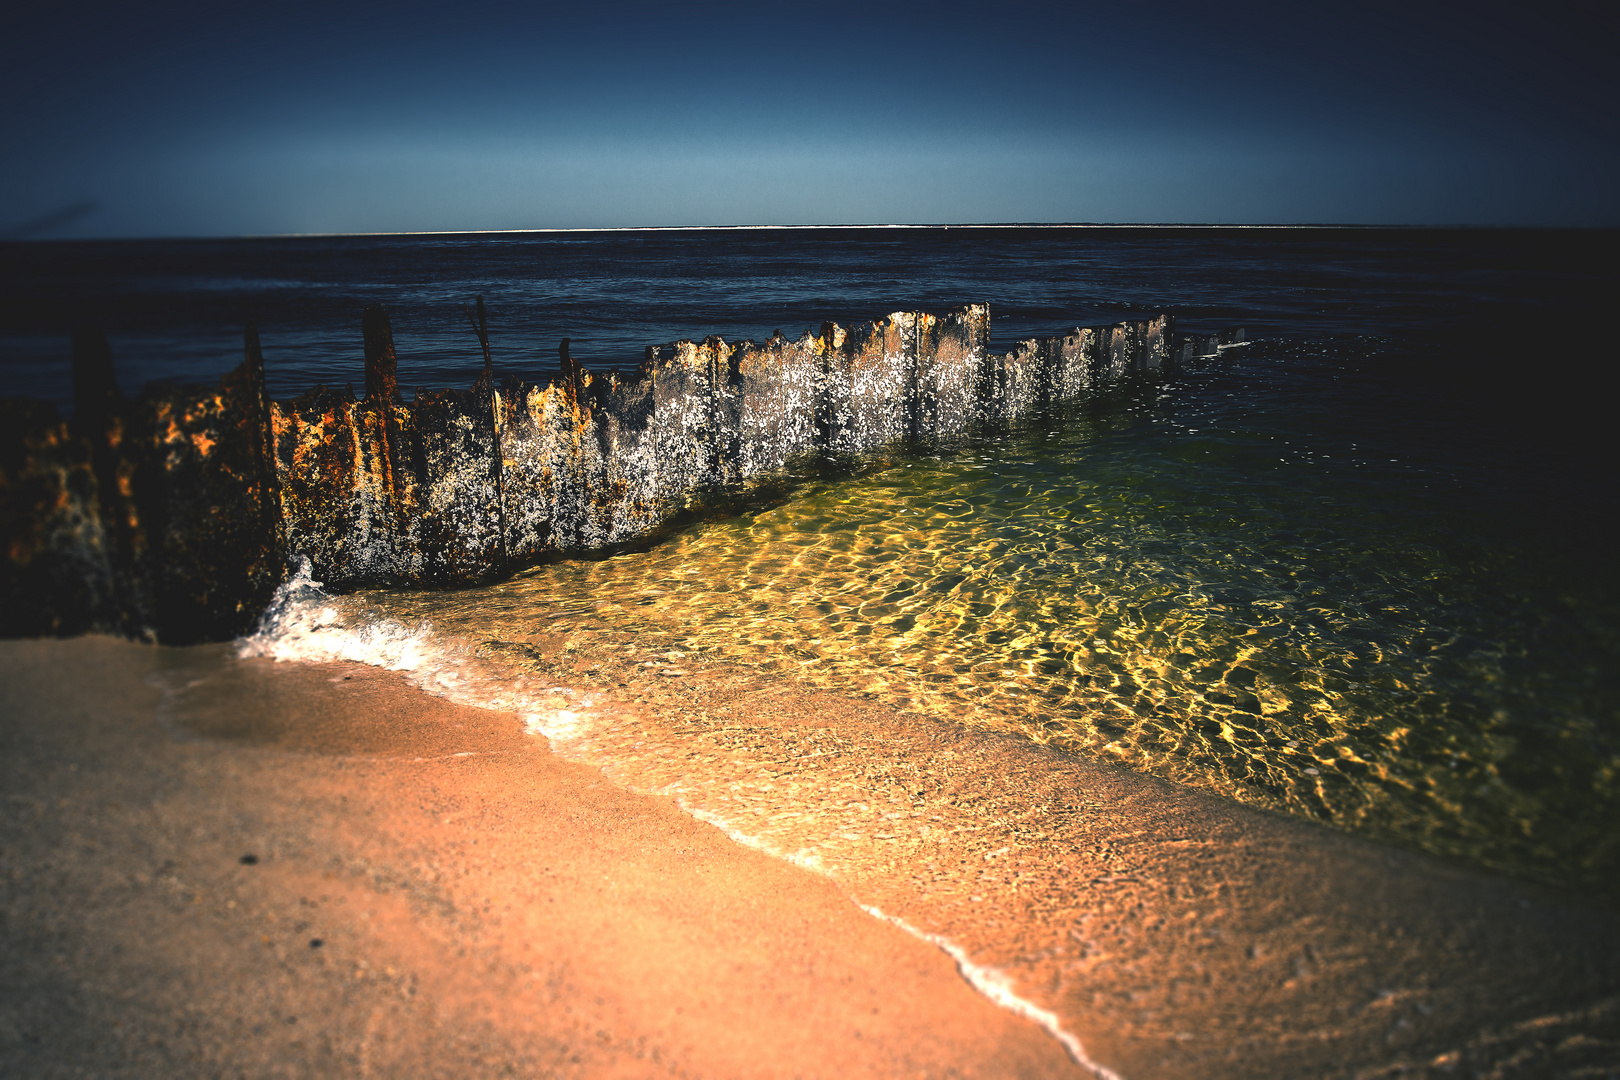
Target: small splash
<point x="305" y="623"/>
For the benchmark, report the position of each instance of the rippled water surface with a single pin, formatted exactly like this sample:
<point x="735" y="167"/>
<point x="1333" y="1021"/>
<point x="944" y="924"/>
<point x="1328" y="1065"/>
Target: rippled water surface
<point x="1270" y="578"/>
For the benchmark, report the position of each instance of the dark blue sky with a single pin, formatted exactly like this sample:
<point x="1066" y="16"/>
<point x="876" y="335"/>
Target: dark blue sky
<point x="204" y="119"/>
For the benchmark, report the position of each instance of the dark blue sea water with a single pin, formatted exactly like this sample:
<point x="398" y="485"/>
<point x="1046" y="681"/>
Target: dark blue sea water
<point x="175" y="309"/>
<point x="1362" y="571"/>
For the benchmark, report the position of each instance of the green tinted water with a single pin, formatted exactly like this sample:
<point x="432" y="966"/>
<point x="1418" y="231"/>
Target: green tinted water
<point x="1272" y="582"/>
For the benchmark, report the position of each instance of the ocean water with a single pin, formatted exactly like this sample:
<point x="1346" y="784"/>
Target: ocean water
<point x="1360" y="570"/>
<point x="175" y="309"/>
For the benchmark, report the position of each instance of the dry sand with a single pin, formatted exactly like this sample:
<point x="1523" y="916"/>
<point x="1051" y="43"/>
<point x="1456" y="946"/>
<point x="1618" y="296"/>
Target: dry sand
<point x="484" y="908"/>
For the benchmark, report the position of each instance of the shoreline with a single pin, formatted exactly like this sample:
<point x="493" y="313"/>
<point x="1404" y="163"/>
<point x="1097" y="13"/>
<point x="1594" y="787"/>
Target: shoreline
<point x="1203" y="938"/>
<point x="481" y="905"/>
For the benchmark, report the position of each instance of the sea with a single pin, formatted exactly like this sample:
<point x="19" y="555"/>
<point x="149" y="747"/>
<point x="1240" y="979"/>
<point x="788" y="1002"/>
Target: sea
<point x="1359" y="570"/>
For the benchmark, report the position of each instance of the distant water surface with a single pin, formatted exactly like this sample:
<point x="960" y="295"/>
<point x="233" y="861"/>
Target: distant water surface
<point x="174" y="309"/>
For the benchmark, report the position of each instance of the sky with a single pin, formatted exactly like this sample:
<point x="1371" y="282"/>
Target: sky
<point x="214" y="119"/>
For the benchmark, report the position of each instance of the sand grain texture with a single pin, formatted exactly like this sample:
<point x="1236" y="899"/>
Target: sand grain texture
<point x="498" y="913"/>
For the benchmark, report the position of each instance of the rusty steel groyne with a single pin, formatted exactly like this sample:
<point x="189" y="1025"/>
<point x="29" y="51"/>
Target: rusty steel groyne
<point x="176" y="514"/>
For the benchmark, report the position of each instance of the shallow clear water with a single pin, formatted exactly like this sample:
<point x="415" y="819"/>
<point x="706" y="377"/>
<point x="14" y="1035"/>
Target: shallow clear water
<point x="1269" y="578"/>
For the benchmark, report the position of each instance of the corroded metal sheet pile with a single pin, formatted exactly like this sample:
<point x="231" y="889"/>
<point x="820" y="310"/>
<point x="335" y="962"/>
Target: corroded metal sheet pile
<point x="175" y="515"/>
<point x="158" y="517"/>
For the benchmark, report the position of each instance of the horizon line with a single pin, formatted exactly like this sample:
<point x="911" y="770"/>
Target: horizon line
<point x="810" y="227"/>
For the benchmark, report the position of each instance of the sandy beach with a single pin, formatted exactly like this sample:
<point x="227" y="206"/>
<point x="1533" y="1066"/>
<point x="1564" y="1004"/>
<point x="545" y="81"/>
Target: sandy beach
<point x="215" y="867"/>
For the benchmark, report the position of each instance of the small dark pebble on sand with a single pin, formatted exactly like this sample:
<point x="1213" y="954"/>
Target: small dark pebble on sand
<point x="249" y="860"/>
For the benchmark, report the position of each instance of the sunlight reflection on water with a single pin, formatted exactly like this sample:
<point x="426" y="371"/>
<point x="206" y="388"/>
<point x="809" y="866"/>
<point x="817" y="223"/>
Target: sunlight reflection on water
<point x="1233" y="591"/>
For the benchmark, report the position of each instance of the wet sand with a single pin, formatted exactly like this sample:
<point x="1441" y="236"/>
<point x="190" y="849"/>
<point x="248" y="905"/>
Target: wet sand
<point x="484" y="907"/>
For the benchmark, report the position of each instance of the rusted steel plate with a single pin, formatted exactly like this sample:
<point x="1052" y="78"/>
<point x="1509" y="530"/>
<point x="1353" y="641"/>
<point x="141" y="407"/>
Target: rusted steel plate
<point x="778" y="392"/>
<point x="57" y="577"/>
<point x="205" y="493"/>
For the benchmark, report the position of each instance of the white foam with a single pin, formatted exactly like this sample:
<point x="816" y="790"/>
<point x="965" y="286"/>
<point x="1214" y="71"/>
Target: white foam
<point x="305" y="623"/>
<point x="988" y="981"/>
<point x="995" y="985"/>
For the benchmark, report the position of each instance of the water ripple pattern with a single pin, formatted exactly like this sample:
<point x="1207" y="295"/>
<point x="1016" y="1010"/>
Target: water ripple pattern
<point x="1253" y="580"/>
